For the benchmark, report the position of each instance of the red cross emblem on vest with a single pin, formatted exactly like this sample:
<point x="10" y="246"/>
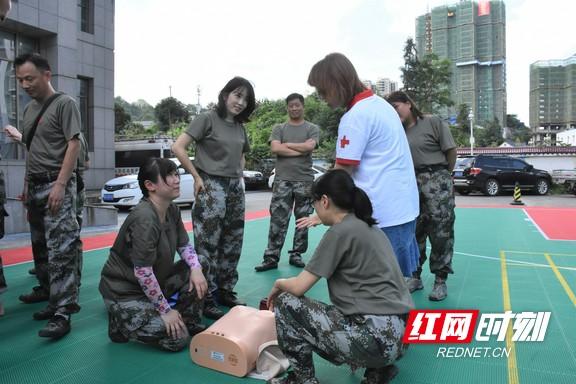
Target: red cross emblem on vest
<point x="344" y="142"/>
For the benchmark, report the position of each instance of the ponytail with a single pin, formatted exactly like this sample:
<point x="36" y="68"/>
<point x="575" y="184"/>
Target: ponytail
<point x="363" y="207"/>
<point x="338" y="185"/>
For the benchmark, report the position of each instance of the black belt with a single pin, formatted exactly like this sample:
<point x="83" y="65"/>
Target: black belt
<point x="44" y="177"/>
<point x="431" y="168"/>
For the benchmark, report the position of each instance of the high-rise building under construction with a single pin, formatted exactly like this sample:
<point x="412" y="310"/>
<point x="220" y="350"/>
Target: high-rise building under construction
<point x="552" y="98"/>
<point x="472" y="35"/>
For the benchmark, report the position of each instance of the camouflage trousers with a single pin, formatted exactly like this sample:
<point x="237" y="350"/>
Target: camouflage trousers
<point x="288" y="195"/>
<point x="436" y="220"/>
<point x="80" y="200"/>
<point x="55" y="244"/>
<point x="305" y="326"/>
<point x="218" y="218"/>
<point x="138" y="320"/>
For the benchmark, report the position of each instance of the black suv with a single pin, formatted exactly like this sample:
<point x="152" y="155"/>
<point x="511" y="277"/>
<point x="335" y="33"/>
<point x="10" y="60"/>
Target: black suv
<point x="493" y="174"/>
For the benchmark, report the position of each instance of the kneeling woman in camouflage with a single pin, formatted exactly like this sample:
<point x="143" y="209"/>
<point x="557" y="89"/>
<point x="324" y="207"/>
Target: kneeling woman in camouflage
<point x="365" y="324"/>
<point x="140" y="273"/>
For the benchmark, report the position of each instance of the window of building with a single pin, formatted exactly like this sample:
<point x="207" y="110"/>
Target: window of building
<point x="86" y="15"/>
<point x="86" y="105"/>
<point x="12" y="98"/>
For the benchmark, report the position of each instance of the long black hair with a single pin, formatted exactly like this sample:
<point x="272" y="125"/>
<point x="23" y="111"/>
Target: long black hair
<point x="338" y="185"/>
<point x="403" y="97"/>
<point x="235" y="83"/>
<point x="153" y="168"/>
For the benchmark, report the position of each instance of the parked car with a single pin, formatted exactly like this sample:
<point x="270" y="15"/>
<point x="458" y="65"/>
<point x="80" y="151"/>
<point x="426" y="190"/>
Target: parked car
<point x="318" y="171"/>
<point x="493" y="174"/>
<point x="566" y="177"/>
<point x="254" y="179"/>
<point x="124" y="192"/>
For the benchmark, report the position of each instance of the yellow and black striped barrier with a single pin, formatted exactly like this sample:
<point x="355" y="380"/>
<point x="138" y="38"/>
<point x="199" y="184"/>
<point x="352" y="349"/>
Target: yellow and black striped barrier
<point x="517" y="195"/>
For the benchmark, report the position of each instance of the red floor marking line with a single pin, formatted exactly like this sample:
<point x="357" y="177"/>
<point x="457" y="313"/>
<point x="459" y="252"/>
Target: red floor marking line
<point x="23" y="254"/>
<point x="555" y="223"/>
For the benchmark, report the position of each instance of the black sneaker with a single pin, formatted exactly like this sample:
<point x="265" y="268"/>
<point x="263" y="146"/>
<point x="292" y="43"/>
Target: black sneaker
<point x="37" y="295"/>
<point x="195" y="329"/>
<point x="211" y="311"/>
<point x="32" y="271"/>
<point x="113" y="333"/>
<point x="296" y="261"/>
<point x="380" y="375"/>
<point x="266" y="266"/>
<point x="229" y="299"/>
<point x="58" y="326"/>
<point x="291" y="378"/>
<point x="43" y="314"/>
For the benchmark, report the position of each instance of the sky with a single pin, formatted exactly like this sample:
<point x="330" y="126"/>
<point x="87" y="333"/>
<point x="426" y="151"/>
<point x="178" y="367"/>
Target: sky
<point x="180" y="45"/>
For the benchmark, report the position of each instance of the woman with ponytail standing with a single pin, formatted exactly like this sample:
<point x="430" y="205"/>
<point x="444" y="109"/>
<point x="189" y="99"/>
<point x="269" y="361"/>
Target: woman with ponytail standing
<point x="364" y="325"/>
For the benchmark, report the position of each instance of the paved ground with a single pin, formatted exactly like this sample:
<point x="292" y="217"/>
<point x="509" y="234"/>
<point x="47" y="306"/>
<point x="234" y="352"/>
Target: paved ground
<point x="503" y="262"/>
<point x="559" y="201"/>
<point x="260" y="200"/>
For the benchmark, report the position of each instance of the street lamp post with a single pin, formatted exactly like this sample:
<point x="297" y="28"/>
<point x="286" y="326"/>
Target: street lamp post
<point x="471" y="118"/>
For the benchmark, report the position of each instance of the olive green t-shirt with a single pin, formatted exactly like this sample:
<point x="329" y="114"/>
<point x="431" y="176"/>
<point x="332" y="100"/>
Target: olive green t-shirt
<point x="361" y="268"/>
<point x="297" y="168"/>
<point x="59" y="123"/>
<point x="219" y="145"/>
<point x="428" y="140"/>
<point x="142" y="241"/>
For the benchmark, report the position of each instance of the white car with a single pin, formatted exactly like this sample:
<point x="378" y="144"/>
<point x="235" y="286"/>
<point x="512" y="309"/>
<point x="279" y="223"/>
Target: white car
<point x="318" y="171"/>
<point x="124" y="192"/>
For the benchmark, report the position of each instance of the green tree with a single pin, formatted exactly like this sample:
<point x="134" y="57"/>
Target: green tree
<point x="192" y="109"/>
<point x="134" y="130"/>
<point x="490" y="135"/>
<point x="121" y="118"/>
<point x="170" y="111"/>
<point x="461" y="131"/>
<point x="328" y="119"/>
<point x="426" y="79"/>
<point x="520" y="133"/>
<point x="140" y="110"/>
<point x="267" y="114"/>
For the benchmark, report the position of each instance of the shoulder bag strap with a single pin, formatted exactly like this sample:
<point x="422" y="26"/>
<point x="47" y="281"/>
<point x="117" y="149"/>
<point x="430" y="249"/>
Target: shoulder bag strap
<point x="44" y="107"/>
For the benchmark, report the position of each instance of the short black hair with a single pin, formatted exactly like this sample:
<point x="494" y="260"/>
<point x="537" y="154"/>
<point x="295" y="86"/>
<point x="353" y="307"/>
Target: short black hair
<point x="39" y="61"/>
<point x="294" y="96"/>
<point x="152" y="168"/>
<point x="235" y="83"/>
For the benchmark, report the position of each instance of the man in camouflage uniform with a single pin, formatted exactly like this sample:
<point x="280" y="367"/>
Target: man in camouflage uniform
<point x="293" y="143"/>
<point x="50" y="193"/>
<point x="305" y="326"/>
